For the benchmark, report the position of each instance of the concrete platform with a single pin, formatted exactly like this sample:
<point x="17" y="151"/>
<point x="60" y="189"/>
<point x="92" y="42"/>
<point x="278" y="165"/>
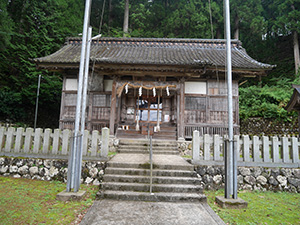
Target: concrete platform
<point x="70" y="196"/>
<point x="110" y="212"/>
<point x="231" y="203"/>
<point x="142" y="161"/>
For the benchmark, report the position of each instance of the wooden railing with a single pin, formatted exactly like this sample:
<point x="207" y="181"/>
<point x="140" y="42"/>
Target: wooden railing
<point x="210" y="129"/>
<point x="90" y="125"/>
<point x="67" y="124"/>
<point x="254" y="151"/>
<point x="52" y="144"/>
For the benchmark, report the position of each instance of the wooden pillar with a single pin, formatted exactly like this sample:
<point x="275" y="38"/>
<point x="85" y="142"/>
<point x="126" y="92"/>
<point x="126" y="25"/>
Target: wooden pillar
<point x="119" y="110"/>
<point x="62" y="104"/>
<point x="90" y="114"/>
<point x="62" y="110"/>
<point x="182" y="109"/>
<point x="166" y="110"/>
<point x="158" y="101"/>
<point x="137" y="115"/>
<point x="299" y="121"/>
<point x="207" y="102"/>
<point x="123" y="108"/>
<point x="113" y="108"/>
<point x="178" y="113"/>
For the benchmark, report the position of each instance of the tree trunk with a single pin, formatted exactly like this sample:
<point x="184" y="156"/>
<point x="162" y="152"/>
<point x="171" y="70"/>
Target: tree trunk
<point x="236" y="27"/>
<point x="218" y="35"/>
<point x="126" y="18"/>
<point x="296" y="51"/>
<point x="110" y="19"/>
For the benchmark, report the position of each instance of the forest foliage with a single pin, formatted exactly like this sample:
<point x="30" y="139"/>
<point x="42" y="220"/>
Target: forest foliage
<point x="35" y="28"/>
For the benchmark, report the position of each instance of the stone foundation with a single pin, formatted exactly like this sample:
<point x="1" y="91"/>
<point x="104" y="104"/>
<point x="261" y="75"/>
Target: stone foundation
<point x="252" y="178"/>
<point x="45" y="169"/>
<point x="212" y="177"/>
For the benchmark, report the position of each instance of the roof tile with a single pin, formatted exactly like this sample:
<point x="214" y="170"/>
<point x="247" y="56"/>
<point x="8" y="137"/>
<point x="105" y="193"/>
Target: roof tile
<point x="156" y="51"/>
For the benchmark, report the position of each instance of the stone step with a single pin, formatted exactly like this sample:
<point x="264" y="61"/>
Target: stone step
<point x="146" y="142"/>
<point x="147" y="146"/>
<point x="133" y="127"/>
<point x="165" y="132"/>
<point x="135" y="171"/>
<point x="164" y="137"/>
<point x="145" y="151"/>
<point x="156" y="197"/>
<point x="146" y="179"/>
<point x="143" y="187"/>
<point x="127" y="136"/>
<point x="147" y="166"/>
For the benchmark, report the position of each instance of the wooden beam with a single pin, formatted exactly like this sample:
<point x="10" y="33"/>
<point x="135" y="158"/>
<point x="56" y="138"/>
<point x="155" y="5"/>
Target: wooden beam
<point x="62" y="109"/>
<point x="182" y="109"/>
<point x="90" y="114"/>
<point x="113" y="108"/>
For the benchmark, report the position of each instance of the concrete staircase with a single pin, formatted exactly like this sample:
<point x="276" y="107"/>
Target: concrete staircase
<point x="167" y="132"/>
<point x="142" y="146"/>
<point x="127" y="176"/>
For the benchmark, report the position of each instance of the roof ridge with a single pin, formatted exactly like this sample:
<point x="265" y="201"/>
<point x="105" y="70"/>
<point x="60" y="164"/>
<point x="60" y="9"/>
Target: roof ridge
<point x="175" y="40"/>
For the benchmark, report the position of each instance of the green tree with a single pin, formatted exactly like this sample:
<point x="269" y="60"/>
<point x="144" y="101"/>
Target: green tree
<point x="287" y="23"/>
<point x="40" y="27"/>
<point x="6" y="25"/>
<point x="247" y="16"/>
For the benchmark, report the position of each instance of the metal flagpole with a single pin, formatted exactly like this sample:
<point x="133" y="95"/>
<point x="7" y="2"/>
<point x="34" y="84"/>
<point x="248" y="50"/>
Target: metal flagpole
<point x="73" y="171"/>
<point x="83" y="109"/>
<point x="229" y="159"/>
<point x="37" y="100"/>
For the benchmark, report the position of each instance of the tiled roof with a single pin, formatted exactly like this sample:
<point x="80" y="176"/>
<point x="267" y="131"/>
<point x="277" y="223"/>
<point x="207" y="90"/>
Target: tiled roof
<point x="155" y="51"/>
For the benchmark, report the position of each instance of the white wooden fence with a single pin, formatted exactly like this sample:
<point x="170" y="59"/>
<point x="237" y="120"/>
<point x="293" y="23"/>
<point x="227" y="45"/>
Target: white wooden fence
<point x="255" y="151"/>
<point x="207" y="149"/>
<point x="53" y="144"/>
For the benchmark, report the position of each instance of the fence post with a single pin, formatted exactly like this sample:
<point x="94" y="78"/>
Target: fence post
<point x="9" y="139"/>
<point x="94" y="147"/>
<point x="105" y="142"/>
<point x="275" y="149"/>
<point x="236" y="139"/>
<point x="19" y="139"/>
<point x="85" y="144"/>
<point x="28" y="140"/>
<point x="246" y="148"/>
<point x="295" y="150"/>
<point x="46" y="141"/>
<point x="196" y="146"/>
<point x="56" y="137"/>
<point x="256" y="152"/>
<point x="266" y="149"/>
<point x="65" y="142"/>
<point x="216" y="140"/>
<point x="37" y="140"/>
<point x="206" y="147"/>
<point x="2" y="131"/>
<point x="285" y="150"/>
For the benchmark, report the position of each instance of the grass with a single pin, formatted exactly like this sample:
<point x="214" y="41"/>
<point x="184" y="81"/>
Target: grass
<point x="187" y="156"/>
<point x="268" y="208"/>
<point x="111" y="154"/>
<point x="25" y="201"/>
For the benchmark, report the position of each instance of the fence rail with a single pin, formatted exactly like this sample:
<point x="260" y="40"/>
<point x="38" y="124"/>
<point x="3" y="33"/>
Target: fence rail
<point x="49" y="143"/>
<point x="208" y="129"/>
<point x="255" y="151"/>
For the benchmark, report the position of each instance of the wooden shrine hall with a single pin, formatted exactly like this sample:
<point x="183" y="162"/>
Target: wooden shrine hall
<point x="169" y="86"/>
